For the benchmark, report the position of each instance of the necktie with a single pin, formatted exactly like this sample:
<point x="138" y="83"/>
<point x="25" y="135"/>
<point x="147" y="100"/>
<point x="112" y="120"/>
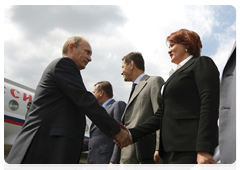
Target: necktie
<point x="133" y="88"/>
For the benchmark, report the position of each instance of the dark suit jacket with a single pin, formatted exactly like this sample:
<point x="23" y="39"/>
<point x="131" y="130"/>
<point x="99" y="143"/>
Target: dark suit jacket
<point x="54" y="129"/>
<point x="188" y="111"/>
<point x="99" y="145"/>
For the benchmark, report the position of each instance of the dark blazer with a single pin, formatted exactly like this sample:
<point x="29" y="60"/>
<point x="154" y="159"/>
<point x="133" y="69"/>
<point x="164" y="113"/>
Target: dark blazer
<point x="100" y="146"/>
<point x="54" y="129"/>
<point x="188" y="111"/>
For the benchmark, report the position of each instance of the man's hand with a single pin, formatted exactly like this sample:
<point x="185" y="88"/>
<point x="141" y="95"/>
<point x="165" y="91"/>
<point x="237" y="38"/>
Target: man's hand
<point x="123" y="139"/>
<point x="156" y="157"/>
<point x="111" y="166"/>
<point x="123" y="127"/>
<point x="204" y="158"/>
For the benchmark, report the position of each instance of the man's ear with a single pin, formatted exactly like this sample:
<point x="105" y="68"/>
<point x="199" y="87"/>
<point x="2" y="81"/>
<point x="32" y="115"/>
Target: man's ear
<point x="132" y="64"/>
<point x="70" y="47"/>
<point x="101" y="92"/>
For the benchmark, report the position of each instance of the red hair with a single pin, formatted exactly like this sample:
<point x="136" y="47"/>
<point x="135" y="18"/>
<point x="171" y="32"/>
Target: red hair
<point x="188" y="38"/>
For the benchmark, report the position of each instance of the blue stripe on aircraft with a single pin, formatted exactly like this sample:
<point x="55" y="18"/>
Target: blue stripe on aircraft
<point x="14" y="119"/>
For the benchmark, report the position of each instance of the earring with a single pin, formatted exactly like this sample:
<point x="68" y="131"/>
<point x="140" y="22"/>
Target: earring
<point x="186" y="49"/>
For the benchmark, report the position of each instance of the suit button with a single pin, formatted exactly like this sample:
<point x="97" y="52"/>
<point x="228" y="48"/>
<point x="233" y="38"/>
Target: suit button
<point x="224" y="108"/>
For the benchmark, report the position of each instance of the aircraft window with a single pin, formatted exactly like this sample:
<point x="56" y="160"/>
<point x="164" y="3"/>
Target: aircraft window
<point x="86" y="129"/>
<point x="13" y="105"/>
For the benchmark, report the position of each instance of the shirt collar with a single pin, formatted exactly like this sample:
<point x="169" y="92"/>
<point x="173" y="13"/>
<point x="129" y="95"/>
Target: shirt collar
<point x="139" y="78"/>
<point x="106" y="102"/>
<point x="180" y="65"/>
<point x="184" y="61"/>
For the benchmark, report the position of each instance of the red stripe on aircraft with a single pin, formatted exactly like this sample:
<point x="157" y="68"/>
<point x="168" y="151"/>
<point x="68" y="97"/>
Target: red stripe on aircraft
<point x="13" y="122"/>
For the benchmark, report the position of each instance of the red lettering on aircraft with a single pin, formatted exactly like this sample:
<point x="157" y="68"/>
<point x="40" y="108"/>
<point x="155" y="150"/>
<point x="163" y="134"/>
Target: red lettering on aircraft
<point x="15" y="93"/>
<point x="25" y="97"/>
<point x="12" y="92"/>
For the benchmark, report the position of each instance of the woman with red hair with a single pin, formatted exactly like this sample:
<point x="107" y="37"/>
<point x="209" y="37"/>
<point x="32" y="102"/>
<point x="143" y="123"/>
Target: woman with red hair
<point x="188" y="111"/>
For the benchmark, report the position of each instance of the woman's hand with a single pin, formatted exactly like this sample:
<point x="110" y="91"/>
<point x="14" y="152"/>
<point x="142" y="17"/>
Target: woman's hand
<point x="111" y="166"/>
<point x="204" y="158"/>
<point x="156" y="157"/>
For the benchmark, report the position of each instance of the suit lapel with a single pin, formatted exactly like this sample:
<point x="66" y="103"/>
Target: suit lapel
<point x="109" y="104"/>
<point x="142" y="83"/>
<point x="92" y="126"/>
<point x="184" y="67"/>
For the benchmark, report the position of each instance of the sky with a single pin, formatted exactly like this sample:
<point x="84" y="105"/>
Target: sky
<point x="34" y="36"/>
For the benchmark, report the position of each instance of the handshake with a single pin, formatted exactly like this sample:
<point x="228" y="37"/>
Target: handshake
<point x="123" y="139"/>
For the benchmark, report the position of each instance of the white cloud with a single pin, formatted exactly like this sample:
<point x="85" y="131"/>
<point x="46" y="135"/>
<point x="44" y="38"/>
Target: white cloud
<point x="226" y="42"/>
<point x="233" y="27"/>
<point x="113" y="31"/>
<point x="149" y="25"/>
<point x="10" y="31"/>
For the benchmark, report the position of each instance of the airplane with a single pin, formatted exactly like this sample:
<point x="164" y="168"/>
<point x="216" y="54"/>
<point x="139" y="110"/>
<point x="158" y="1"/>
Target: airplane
<point x="17" y="100"/>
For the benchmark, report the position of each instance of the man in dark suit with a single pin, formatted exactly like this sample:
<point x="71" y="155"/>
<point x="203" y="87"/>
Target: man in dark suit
<point x="142" y="105"/>
<point x="55" y="126"/>
<point x="100" y="146"/>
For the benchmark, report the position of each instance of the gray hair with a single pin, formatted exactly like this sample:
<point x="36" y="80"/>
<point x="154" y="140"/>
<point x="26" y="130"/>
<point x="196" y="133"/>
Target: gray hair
<point x="76" y="40"/>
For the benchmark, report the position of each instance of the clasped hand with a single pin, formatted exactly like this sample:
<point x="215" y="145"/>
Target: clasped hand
<point x="123" y="139"/>
<point x="204" y="158"/>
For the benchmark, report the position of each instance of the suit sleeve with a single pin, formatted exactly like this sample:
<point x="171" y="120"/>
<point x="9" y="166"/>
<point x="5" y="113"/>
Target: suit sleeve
<point x="155" y="92"/>
<point x="69" y="80"/>
<point x="151" y="125"/>
<point x="119" y="108"/>
<point x="207" y="81"/>
<point x="85" y="146"/>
